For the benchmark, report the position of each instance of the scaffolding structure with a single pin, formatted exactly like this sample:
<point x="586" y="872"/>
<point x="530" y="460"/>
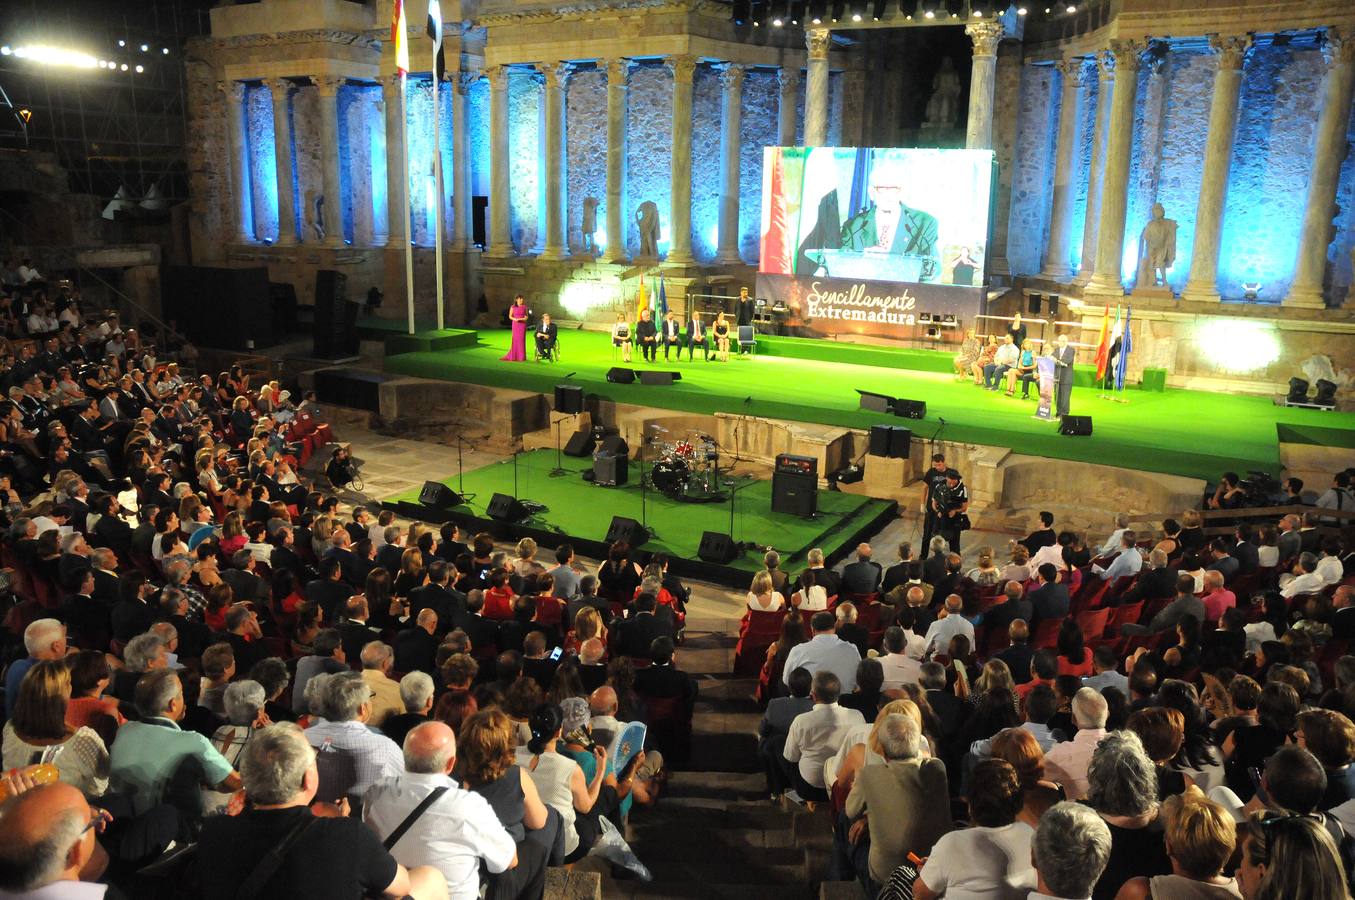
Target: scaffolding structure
<point x="111" y="126"/>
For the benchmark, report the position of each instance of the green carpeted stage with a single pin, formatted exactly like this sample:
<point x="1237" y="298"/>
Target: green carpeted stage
<point x="581" y="513"/>
<point x="1191" y="433"/>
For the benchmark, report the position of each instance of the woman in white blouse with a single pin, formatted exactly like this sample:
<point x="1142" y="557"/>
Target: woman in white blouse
<point x="761" y="596"/>
<point x="37" y="731"/>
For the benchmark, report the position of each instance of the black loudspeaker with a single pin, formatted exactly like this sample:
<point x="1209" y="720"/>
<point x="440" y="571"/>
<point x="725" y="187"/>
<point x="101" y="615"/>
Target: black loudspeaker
<point x="647" y="377"/>
<point x="506" y="509"/>
<point x="437" y="494"/>
<point x="614" y="444"/>
<point x="618" y="375"/>
<point x="611" y="470"/>
<point x="1076" y="425"/>
<point x="893" y="441"/>
<point x="580" y="443"/>
<point x="716" y="547"/>
<point x="219" y="307"/>
<point x="879" y="439"/>
<point x="881" y="403"/>
<point x="628" y="530"/>
<point x="335" y="318"/>
<point x="568" y="399"/>
<point x="1053" y="305"/>
<point x="910" y="409"/>
<point x="794" y="493"/>
<point x="479" y="215"/>
<point x="1033" y="304"/>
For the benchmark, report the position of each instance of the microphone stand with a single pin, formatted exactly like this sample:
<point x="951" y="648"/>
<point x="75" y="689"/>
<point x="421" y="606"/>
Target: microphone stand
<point x="461" y="471"/>
<point x="559" y="467"/>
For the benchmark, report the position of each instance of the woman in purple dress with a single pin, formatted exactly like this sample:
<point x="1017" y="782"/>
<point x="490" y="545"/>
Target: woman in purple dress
<point x="517" y="351"/>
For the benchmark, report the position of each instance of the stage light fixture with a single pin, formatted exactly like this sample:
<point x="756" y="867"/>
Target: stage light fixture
<point x="140" y="69"/>
<point x="929" y="15"/>
<point x="777" y="21"/>
<point x="6" y="50"/>
<point x="1326" y="393"/>
<point x="1238" y="345"/>
<point x="839" y="9"/>
<point x="1070" y="9"/>
<point x="878" y="10"/>
<point x="56" y="56"/>
<point x="1021" y="10"/>
<point x="123" y="67"/>
<point x="122" y="43"/>
<point x="1298" y="391"/>
<point x="856" y="17"/>
<point x="164" y="51"/>
<point x="145" y="48"/>
<point x="1250" y="289"/>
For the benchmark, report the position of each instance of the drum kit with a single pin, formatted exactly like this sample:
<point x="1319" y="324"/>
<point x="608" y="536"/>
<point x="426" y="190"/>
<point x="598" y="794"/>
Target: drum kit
<point x="687" y="470"/>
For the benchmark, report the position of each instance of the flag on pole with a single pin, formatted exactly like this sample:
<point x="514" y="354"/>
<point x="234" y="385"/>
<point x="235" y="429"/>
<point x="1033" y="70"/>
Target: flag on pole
<point x="661" y="304"/>
<point x="1103" y="345"/>
<point x="1126" y="344"/>
<point x="643" y="298"/>
<point x="400" y="38"/>
<point x="435" y="32"/>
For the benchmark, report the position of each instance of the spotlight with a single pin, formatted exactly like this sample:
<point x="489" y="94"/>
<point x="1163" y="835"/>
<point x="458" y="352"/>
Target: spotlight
<point x="55" y="56"/>
<point x="1326" y="393"/>
<point x="165" y="51"/>
<point x="856" y="17"/>
<point x="5" y="50"/>
<point x="140" y="69"/>
<point x="1070" y="9"/>
<point x="978" y="14"/>
<point x="123" y="67"/>
<point x="816" y="20"/>
<point x="1250" y="289"/>
<point x="929" y="15"/>
<point x="1298" y="391"/>
<point x="145" y="48"/>
<point x="1020" y="10"/>
<point x="122" y="43"/>
<point x="777" y="22"/>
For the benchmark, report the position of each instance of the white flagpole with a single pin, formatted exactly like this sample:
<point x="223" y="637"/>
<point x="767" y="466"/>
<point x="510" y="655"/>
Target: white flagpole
<point x="404" y="173"/>
<point x="437" y="207"/>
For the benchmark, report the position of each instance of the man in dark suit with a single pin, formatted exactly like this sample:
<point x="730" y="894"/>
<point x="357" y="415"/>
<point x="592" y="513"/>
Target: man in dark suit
<point x="416" y="647"/>
<point x="284" y="555"/>
<point x="111" y="531"/>
<point x="450" y="546"/>
<point x="663" y="679"/>
<point x="635" y="634"/>
<point x="823" y="576"/>
<point x="697" y="336"/>
<point x="107" y="584"/>
<point x="950" y="710"/>
<point x="1041" y="537"/>
<point x="1156" y="581"/>
<point x="194" y="636"/>
<point x="536" y="659"/>
<point x="1015" y="606"/>
<point x="1290" y="541"/>
<point x="328" y="592"/>
<point x="862" y="576"/>
<point x="1018" y="655"/>
<point x="144" y="534"/>
<point x="388" y="555"/>
<point x="1343" y="619"/>
<point x="483" y="633"/>
<point x="1308" y="536"/>
<point x="438" y="594"/>
<point x="951" y="582"/>
<point x="1223" y="563"/>
<point x="587" y="596"/>
<point x="647" y="336"/>
<point x="362" y="520"/>
<point x="775" y="726"/>
<point x="1050" y="599"/>
<point x="546" y="334"/>
<point x="1244" y="550"/>
<point x="744" y="308"/>
<point x="1064" y="357"/>
<point x="354" y="632"/>
<point x="672" y="335"/>
<point x="897" y="574"/>
<point x="244" y="583"/>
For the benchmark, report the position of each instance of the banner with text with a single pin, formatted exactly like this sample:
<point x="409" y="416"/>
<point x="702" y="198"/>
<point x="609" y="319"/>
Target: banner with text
<point x="821" y="306"/>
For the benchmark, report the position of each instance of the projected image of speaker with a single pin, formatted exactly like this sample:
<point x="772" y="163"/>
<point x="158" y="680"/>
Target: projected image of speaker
<point x="503" y="508"/>
<point x="568" y="399"/>
<point x="619" y="375"/>
<point x="910" y="409"/>
<point x="628" y="530"/>
<point x="438" y="495"/>
<point x="716" y="547"/>
<point x="1077" y="426"/>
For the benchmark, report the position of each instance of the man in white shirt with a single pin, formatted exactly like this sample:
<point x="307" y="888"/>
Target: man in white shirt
<point x="1067" y="763"/>
<point x="1305" y="579"/>
<point x="899" y="668"/>
<point x="455" y="832"/>
<point x="1128" y="562"/>
<point x="1007" y="356"/>
<point x="1329" y="567"/>
<point x="27" y="273"/>
<point x="1050" y="553"/>
<point x="1105" y="672"/>
<point x="825" y="650"/>
<point x="953" y="623"/>
<point x="344" y="730"/>
<point x="816" y="735"/>
<point x="1113" y="542"/>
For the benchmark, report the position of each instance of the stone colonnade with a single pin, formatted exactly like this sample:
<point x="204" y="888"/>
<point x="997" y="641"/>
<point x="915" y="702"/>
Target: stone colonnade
<point x="1104" y="231"/>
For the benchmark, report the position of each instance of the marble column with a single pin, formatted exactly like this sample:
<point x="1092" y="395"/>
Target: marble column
<point x="1125" y="56"/>
<point x="396" y="184"/>
<point x="380" y="214"/>
<point x="331" y="183"/>
<point x="500" y="224"/>
<point x="817" y="40"/>
<point x="556" y="78"/>
<point x="280" y="89"/>
<point x="982" y="83"/>
<point x="731" y="117"/>
<point x="680" y="212"/>
<point x="618" y="83"/>
<point x="1229" y="54"/>
<point x="1057" y="265"/>
<point x="461" y="83"/>
<point x="789" y="82"/>
<point x="242" y="205"/>
<point x="1338" y="49"/>
<point x="1105" y="67"/>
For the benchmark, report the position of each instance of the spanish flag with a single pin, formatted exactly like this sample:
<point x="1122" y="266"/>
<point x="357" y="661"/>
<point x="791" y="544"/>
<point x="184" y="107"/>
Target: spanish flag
<point x="400" y="37"/>
<point x="1103" y="346"/>
<point x="642" y="297"/>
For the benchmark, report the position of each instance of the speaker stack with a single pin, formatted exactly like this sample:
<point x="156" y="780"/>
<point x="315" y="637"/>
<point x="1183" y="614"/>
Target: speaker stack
<point x="335" y="318"/>
<point x="891" y="441"/>
<point x="795" y="485"/>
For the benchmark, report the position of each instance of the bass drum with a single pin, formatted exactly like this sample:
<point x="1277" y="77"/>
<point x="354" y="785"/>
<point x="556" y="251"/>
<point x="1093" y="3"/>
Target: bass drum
<point x="670" y="475"/>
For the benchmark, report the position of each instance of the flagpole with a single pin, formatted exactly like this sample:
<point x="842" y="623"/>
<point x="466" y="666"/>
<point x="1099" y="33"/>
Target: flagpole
<point x="437" y="207"/>
<point x="404" y="173"/>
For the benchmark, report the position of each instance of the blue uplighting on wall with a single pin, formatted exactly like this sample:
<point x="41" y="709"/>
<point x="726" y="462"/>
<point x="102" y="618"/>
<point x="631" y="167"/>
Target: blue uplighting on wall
<point x="1143" y="157"/>
<point x="262" y="162"/>
<point x="419" y="119"/>
<point x="348" y="96"/>
<point x="1183" y="144"/>
<point x="649" y="124"/>
<point x="1086" y="136"/>
<point x="707" y="94"/>
<point x="761" y="107"/>
<point x="524" y="158"/>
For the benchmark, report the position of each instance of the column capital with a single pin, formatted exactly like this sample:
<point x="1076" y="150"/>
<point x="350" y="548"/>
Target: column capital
<point x="1230" y="49"/>
<point x="498" y="77"/>
<point x="817" y="41"/>
<point x="278" y="87"/>
<point x="1125" y="54"/>
<point x="682" y="68"/>
<point x="986" y="36"/>
<point x="464" y="80"/>
<point x="788" y="79"/>
<point x="556" y="74"/>
<point x="618" y="72"/>
<point x="1073" y="69"/>
<point x="328" y="85"/>
<point x="235" y="90"/>
<point x="731" y="75"/>
<point x="1338" y="46"/>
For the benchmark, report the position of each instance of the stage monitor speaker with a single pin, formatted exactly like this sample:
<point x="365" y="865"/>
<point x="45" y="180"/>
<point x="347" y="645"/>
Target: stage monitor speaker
<point x="910" y="409"/>
<point x="879" y="439"/>
<point x="568" y="399"/>
<point x="504" y="508"/>
<point x="1033" y="305"/>
<point x="648" y="377"/>
<point x="716" y="547"/>
<point x="580" y="443"/>
<point x="618" y="375"/>
<point x="893" y="441"/>
<point x="611" y="470"/>
<point x="438" y="495"/>
<point x="613" y="444"/>
<point x="1076" y="425"/>
<point x="795" y="494"/>
<point x="628" y="530"/>
<point x="874" y="402"/>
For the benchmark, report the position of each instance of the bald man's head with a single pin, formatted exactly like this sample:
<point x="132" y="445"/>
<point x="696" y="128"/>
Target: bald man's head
<point x="602" y="702"/>
<point x="46" y="840"/>
<point x="591" y="652"/>
<point x="430" y="749"/>
<point x="428" y="619"/>
<point x="954" y="603"/>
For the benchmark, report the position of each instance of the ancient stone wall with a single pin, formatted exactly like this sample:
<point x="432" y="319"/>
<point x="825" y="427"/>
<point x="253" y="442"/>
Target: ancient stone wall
<point x="1191" y="87"/>
<point x="706" y="105"/>
<point x="263" y="167"/>
<point x="761" y="102"/>
<point x="307" y="161"/>
<point x="586" y="150"/>
<point x="524" y="155"/>
<point x="1032" y="169"/>
<point x="649" y="123"/>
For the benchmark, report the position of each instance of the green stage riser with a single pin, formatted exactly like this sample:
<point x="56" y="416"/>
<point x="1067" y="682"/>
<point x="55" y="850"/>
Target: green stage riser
<point x="581" y="512"/>
<point x="1191" y="433"/>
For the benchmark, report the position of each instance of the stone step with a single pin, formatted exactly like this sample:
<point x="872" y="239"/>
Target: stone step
<point x="566" y="884"/>
<point x="840" y="890"/>
<point x="734" y="841"/>
<point x="771" y="865"/>
<point x="717" y="785"/>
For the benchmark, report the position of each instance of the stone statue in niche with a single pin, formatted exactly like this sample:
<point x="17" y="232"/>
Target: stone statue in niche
<point x="647" y="218"/>
<point x="589" y="225"/>
<point x="1157" y="249"/>
<point x="315" y="202"/>
<point x="945" y="99"/>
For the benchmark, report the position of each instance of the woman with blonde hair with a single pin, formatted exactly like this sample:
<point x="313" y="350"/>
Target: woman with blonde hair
<point x="762" y="596"/>
<point x="985" y="574"/>
<point x="233" y="535"/>
<point x="1018" y="569"/>
<point x="37" y="731"/>
<point x="994" y="674"/>
<point x="969" y="351"/>
<point x="588" y="624"/>
<point x="526" y="563"/>
<point x="1191" y="538"/>
<point x="411" y="572"/>
<point x="1285" y="857"/>
<point x="1200" y="836"/>
<point x="621" y="336"/>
